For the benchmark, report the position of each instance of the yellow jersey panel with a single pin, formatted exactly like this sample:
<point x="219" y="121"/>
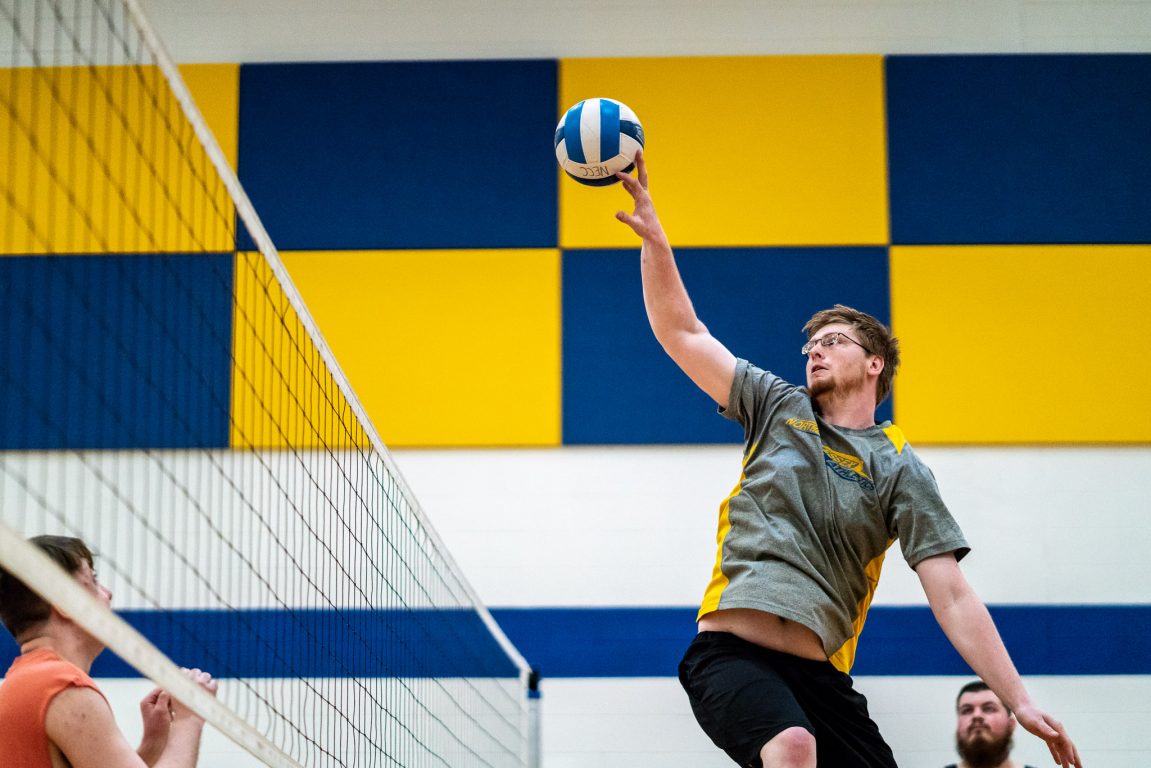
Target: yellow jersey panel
<point x="844" y="657"/>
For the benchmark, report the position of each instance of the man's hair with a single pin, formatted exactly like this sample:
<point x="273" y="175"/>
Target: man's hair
<point x="22" y="609"/>
<point x="876" y="339"/>
<point x="975" y="686"/>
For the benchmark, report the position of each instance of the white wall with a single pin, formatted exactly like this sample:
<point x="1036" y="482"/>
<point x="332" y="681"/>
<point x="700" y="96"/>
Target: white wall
<point x="298" y="30"/>
<point x="636" y="525"/>
<point x="647" y="722"/>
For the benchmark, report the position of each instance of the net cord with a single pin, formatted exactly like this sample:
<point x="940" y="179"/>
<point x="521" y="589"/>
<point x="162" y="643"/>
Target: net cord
<point x="43" y="576"/>
<point x="263" y="241"/>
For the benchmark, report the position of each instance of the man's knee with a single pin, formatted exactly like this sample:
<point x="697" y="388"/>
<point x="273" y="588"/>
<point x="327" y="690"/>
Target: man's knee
<point x="790" y="748"/>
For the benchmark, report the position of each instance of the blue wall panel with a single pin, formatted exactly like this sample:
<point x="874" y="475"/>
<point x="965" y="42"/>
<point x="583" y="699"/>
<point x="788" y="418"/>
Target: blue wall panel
<point x="371" y="155"/>
<point x="1019" y="149"/>
<point x="115" y="352"/>
<point x="620" y="387"/>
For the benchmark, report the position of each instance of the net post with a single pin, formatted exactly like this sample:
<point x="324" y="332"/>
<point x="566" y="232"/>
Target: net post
<point x="534" y="702"/>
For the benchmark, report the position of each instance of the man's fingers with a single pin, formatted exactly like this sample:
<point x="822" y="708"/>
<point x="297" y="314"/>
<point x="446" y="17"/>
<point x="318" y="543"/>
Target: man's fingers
<point x="627" y="218"/>
<point x="641" y="168"/>
<point x="208" y="683"/>
<point x="629" y="183"/>
<point x="164" y="703"/>
<point x="1063" y="750"/>
<point x="1069" y="753"/>
<point x="202" y="678"/>
<point x="1056" y="729"/>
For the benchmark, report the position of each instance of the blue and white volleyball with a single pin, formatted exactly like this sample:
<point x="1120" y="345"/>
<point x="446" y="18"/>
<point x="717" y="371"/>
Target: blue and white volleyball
<point x="596" y="139"/>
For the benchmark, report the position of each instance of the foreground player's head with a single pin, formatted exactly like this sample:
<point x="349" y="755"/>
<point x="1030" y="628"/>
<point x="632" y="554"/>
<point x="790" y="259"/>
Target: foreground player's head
<point x="22" y="611"/>
<point x="863" y="348"/>
<point x="984" y="726"/>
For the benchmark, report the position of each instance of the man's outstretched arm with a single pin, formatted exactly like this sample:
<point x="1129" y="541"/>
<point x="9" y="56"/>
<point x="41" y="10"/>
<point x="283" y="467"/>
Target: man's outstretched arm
<point x="669" y="309"/>
<point x="968" y="625"/>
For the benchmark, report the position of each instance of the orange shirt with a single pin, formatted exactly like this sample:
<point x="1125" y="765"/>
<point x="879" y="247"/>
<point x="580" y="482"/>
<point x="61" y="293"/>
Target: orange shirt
<point x="32" y="681"/>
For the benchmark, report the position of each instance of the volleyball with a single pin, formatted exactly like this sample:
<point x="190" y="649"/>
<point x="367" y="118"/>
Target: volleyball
<point x="596" y="139"/>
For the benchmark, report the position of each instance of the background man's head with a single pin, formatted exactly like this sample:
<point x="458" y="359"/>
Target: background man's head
<point x="21" y="609"/>
<point x="984" y="726"/>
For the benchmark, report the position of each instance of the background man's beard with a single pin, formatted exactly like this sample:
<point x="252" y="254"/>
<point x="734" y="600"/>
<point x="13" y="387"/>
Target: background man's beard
<point x="984" y="753"/>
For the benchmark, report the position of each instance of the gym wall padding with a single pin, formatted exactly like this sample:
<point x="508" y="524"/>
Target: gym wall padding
<point x="991" y="207"/>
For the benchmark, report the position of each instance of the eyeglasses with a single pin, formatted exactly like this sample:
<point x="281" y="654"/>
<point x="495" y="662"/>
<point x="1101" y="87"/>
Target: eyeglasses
<point x="830" y="340"/>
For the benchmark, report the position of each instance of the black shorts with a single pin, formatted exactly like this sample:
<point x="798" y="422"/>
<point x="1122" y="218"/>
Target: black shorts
<point x="744" y="695"/>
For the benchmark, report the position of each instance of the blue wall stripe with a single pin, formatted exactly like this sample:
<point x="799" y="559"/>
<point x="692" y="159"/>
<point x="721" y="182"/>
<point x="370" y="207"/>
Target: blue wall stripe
<point x="315" y="643"/>
<point x="602" y="642"/>
<point x="1019" y="149"/>
<point x="115" y="351"/>
<point x="620" y="386"/>
<point x="648" y="642"/>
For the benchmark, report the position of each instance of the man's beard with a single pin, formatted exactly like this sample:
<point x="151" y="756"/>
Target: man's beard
<point x="843" y="384"/>
<point x="821" y="386"/>
<point x="985" y="752"/>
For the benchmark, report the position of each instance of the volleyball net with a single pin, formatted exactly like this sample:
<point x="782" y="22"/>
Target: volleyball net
<point x="166" y="397"/>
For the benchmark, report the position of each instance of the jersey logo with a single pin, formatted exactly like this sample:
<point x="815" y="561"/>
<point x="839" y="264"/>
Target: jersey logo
<point x="803" y="425"/>
<point x="847" y="467"/>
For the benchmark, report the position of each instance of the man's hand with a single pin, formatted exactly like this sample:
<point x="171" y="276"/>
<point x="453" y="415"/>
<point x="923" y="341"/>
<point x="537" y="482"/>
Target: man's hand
<point x="1046" y="727"/>
<point x="181" y="713"/>
<point x="642" y="220"/>
<point x="156" y="712"/>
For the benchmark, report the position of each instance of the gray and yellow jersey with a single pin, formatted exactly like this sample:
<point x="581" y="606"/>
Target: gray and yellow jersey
<point x="804" y="532"/>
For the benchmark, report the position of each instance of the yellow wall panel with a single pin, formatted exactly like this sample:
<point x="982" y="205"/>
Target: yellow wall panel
<point x="100" y="160"/>
<point x="742" y="151"/>
<point x="1022" y="344"/>
<point x="216" y="89"/>
<point x="282" y="395"/>
<point x="444" y="348"/>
